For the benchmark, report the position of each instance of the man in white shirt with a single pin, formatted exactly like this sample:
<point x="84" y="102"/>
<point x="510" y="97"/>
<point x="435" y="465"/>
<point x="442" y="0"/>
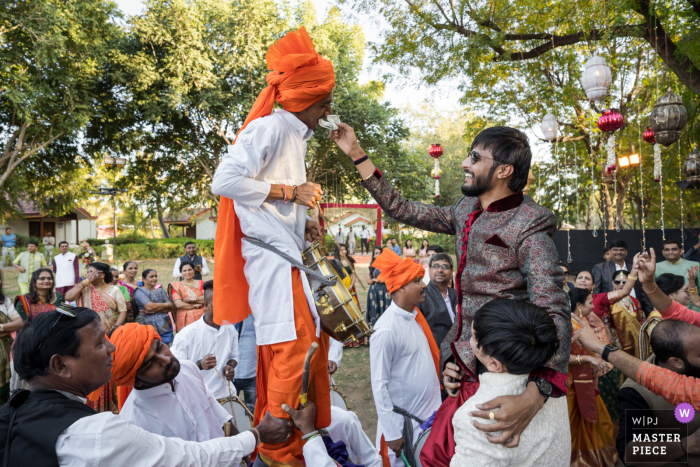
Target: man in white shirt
<point x="200" y="262"/>
<point x="49" y="241"/>
<point x="66" y="267"/>
<point x="265" y="195"/>
<point x="339" y="237"/>
<point x="352" y="241"/>
<point x="403" y="359"/>
<point x="213" y="348"/>
<point x="65" y="355"/>
<point x="364" y="240"/>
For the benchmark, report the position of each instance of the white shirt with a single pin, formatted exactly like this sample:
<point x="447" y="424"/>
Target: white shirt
<point x="340" y="238"/>
<point x="546" y="442"/>
<point x="403" y="372"/>
<point x="48" y="241"/>
<point x="65" y="269"/>
<point x="269" y="151"/>
<point x="335" y="351"/>
<point x="176" y="269"/>
<point x="198" y="339"/>
<point x="8" y="310"/>
<point x="185" y="410"/>
<point x="624" y="268"/>
<point x="364" y="234"/>
<point x="448" y="304"/>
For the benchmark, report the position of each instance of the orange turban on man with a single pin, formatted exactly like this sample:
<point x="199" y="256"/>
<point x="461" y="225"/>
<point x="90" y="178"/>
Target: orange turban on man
<point x="300" y="78"/>
<point x="132" y="342"/>
<point x="396" y="272"/>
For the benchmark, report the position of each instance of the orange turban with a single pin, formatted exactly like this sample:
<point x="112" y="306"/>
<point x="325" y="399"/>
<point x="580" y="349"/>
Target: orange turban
<point x="133" y="341"/>
<point x="300" y="78"/>
<point x="396" y="272"/>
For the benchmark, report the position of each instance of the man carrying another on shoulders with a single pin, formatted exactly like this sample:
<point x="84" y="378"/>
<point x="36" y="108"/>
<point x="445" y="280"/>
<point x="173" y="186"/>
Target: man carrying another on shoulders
<point x="503" y="240"/>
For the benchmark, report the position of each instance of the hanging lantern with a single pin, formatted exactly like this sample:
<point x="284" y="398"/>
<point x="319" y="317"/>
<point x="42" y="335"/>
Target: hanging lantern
<point x="668" y="118"/>
<point x="435" y="152"/>
<point x="596" y="78"/>
<point x="549" y="127"/>
<point x="611" y="120"/>
<point x="691" y="168"/>
<point x="657" y="162"/>
<point x="649" y="136"/>
<point x="607" y="176"/>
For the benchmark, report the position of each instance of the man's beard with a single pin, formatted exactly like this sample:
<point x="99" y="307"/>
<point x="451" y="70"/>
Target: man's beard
<point x="690" y="369"/>
<point x="480" y="185"/>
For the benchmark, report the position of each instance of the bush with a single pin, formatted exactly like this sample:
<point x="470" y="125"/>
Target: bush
<point x="159" y="249"/>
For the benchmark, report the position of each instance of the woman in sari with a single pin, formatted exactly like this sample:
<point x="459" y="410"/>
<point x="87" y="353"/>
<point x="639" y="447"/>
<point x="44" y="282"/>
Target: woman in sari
<point x="423" y="254"/>
<point x="130" y="282"/>
<point x="188" y="296"/>
<point x="154" y="307"/>
<point x="592" y="430"/>
<point x="378" y="298"/>
<point x="42" y="296"/>
<point x="10" y="321"/>
<point x="674" y="286"/>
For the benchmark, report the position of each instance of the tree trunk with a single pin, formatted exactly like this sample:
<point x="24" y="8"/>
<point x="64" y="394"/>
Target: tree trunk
<point x="150" y="224"/>
<point x="161" y="221"/>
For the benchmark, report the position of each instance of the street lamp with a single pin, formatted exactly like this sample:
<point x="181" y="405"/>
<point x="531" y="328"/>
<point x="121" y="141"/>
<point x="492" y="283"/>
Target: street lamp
<point x="630" y="162"/>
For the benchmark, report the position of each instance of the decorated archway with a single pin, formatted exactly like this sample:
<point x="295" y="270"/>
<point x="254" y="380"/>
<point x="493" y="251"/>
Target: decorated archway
<point x="333" y="211"/>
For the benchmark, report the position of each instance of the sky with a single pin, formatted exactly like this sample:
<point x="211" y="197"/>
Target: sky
<point x="400" y="93"/>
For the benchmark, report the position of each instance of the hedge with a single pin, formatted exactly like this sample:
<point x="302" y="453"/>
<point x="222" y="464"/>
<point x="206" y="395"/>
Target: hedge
<point x="161" y="250"/>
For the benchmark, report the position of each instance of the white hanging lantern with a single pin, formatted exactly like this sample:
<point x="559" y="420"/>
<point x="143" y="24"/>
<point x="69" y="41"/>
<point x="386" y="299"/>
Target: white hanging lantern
<point x="596" y="78"/>
<point x="549" y="127"/>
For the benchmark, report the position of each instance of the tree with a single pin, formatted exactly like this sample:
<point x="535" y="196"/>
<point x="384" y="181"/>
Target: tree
<point x="52" y="55"/>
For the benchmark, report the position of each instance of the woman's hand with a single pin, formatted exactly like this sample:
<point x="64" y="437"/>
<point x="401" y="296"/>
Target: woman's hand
<point x="692" y="272"/>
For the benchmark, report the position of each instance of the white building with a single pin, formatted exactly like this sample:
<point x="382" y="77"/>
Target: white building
<point x="200" y="224"/>
<point x="350" y="221"/>
<point x="72" y="227"/>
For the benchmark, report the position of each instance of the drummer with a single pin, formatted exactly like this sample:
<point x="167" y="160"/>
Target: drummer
<point x="213" y="348"/>
<point x="169" y="397"/>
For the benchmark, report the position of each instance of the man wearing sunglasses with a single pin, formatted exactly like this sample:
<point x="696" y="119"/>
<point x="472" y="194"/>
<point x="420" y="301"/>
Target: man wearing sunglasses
<point x="503" y="241"/>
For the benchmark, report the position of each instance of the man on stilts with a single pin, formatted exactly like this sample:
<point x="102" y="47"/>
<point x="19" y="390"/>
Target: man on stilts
<point x="265" y="195"/>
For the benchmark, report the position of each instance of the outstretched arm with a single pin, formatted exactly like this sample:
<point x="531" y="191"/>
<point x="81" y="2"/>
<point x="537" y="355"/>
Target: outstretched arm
<point x="419" y="215"/>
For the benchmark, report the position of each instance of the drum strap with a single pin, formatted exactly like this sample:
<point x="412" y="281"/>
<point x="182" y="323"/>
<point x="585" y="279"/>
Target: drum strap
<point x="408" y="434"/>
<point x="325" y="280"/>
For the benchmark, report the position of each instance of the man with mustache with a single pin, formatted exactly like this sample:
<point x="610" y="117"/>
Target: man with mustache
<point x="503" y="240"/>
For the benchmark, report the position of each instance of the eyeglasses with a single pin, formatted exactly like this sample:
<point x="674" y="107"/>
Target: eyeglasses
<point x="476" y="157"/>
<point x="63" y="310"/>
<point x="619" y="282"/>
<point x="444" y="267"/>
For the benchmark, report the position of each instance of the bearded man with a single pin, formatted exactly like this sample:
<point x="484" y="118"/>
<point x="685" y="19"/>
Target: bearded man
<point x="265" y="195"/>
<point x="503" y="240"/>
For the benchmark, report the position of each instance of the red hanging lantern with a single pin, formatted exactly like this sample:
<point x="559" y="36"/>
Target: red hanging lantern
<point x="610" y="121"/>
<point x="649" y="136"/>
<point x="435" y="151"/>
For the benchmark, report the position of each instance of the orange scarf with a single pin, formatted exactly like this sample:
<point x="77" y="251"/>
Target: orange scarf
<point x="301" y="78"/>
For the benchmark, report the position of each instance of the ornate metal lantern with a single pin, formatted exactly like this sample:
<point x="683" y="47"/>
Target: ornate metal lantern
<point x="691" y="168"/>
<point x="611" y="120"/>
<point x="668" y="118"/>
<point x="649" y="136"/>
<point x="435" y="152"/>
<point x="549" y="127"/>
<point x="596" y="78"/>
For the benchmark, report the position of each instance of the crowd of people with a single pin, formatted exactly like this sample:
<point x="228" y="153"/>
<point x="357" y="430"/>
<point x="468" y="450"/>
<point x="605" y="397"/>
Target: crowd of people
<point x="491" y="358"/>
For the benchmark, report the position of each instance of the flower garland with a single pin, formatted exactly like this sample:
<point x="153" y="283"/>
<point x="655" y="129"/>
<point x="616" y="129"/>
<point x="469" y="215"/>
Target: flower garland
<point x="612" y="157"/>
<point x="657" y="162"/>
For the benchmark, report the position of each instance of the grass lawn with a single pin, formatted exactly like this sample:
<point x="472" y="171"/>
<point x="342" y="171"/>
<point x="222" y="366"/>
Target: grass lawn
<point x="353" y="375"/>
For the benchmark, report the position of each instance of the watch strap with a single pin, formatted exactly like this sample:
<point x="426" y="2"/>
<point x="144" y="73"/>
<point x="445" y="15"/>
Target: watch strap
<point x="606" y="351"/>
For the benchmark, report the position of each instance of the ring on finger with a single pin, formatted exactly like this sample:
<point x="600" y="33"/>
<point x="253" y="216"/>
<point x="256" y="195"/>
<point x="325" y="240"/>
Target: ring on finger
<point x="492" y="416"/>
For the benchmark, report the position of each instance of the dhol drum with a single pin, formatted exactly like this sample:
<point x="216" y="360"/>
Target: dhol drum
<point x="341" y="318"/>
<point x="241" y="417"/>
<point x="419" y="446"/>
<point x="337" y="397"/>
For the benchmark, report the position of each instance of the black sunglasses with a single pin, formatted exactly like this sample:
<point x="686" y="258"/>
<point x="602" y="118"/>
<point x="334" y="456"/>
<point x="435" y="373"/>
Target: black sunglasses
<point x="618" y="282"/>
<point x="441" y="266"/>
<point x="476" y="157"/>
<point x="63" y="310"/>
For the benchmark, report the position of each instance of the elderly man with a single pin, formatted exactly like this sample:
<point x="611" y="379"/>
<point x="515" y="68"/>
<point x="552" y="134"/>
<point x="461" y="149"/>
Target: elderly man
<point x="676" y="347"/>
<point x="440" y="306"/>
<point x="200" y="263"/>
<point x="675" y="264"/>
<point x="503" y="240"/>
<point x="403" y="359"/>
<point x="65" y="355"/>
<point x="264" y="199"/>
<point x="66" y="268"/>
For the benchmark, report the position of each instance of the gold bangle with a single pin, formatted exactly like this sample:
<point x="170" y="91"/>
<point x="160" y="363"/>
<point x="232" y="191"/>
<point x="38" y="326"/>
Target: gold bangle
<point x="656" y="287"/>
<point x="85" y="283"/>
<point x="578" y="359"/>
<point x="634" y="278"/>
<point x="693" y="290"/>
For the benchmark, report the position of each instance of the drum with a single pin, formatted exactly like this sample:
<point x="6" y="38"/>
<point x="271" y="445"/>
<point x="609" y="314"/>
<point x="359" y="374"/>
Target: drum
<point x="337" y="399"/>
<point x="238" y="412"/>
<point x="341" y="318"/>
<point x="419" y="446"/>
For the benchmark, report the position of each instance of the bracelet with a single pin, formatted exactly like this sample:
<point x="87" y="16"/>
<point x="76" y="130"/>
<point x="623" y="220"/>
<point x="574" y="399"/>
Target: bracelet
<point x="310" y="435"/>
<point x="284" y="193"/>
<point x="634" y="278"/>
<point x="649" y="293"/>
<point x="294" y="195"/>
<point x="693" y="290"/>
<point x="578" y="359"/>
<point x="257" y="436"/>
<point x="361" y="160"/>
<point x="199" y="364"/>
<point x="85" y="283"/>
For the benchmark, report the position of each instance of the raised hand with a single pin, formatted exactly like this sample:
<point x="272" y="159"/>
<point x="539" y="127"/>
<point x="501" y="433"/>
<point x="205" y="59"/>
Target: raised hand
<point x="347" y="141"/>
<point x="692" y="272"/>
<point x="646" y="266"/>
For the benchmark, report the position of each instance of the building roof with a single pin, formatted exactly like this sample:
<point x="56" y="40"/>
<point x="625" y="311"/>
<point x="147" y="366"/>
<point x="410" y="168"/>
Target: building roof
<point x="185" y="217"/>
<point x="359" y="219"/>
<point x="29" y="209"/>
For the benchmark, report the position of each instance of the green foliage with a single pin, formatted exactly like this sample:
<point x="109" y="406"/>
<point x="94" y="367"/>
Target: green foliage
<point x="161" y="249"/>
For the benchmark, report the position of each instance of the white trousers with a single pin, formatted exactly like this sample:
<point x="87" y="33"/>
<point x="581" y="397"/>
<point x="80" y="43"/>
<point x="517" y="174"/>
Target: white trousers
<point x="346" y="427"/>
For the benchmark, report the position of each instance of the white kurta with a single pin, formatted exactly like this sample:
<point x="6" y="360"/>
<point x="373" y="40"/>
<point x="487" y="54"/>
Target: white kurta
<point x="65" y="269"/>
<point x="199" y="339"/>
<point x="403" y="373"/>
<point x="269" y="151"/>
<point x="335" y="351"/>
<point x="546" y="442"/>
<point x="187" y="410"/>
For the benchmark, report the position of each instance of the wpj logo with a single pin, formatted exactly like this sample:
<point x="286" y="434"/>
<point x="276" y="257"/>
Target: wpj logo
<point x="685" y="413"/>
